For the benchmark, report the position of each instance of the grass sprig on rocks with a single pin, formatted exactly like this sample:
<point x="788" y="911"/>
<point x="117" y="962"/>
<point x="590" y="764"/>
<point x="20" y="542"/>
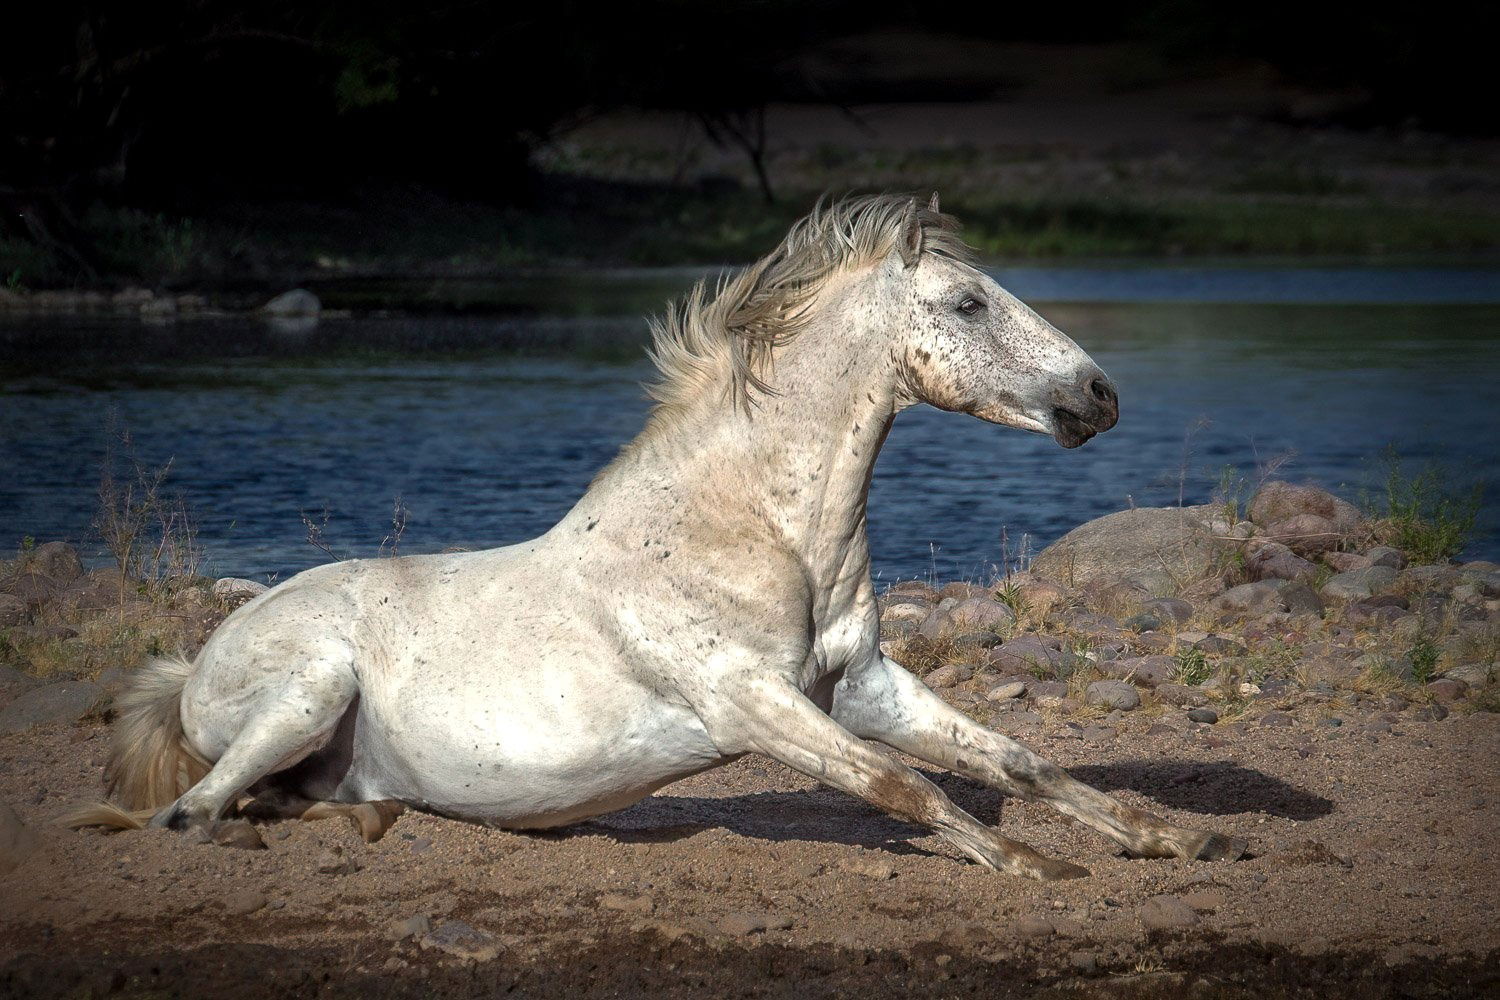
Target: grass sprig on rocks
<point x="1421" y="514"/>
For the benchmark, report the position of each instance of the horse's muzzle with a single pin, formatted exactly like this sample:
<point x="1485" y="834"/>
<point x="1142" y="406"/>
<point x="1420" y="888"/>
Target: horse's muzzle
<point x="1089" y="407"/>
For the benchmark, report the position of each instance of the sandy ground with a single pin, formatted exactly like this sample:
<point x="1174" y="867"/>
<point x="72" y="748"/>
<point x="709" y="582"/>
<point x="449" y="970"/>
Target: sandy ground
<point x="1372" y="872"/>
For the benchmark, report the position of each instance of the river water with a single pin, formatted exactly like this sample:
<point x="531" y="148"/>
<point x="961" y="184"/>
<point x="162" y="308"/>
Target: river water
<point x="489" y="428"/>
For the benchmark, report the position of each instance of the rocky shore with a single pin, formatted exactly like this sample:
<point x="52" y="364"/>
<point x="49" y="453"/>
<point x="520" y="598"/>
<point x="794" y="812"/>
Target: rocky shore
<point x="1296" y="615"/>
<point x="1287" y="677"/>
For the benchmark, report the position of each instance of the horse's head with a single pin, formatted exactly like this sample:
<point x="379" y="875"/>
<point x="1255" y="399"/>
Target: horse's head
<point x="972" y="347"/>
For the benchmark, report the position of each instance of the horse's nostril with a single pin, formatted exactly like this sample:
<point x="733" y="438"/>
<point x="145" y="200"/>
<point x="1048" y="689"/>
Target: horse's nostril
<point x="1102" y="390"/>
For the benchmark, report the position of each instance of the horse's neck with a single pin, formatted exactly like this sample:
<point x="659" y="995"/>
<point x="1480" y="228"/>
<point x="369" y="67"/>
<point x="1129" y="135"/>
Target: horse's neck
<point x="799" y="461"/>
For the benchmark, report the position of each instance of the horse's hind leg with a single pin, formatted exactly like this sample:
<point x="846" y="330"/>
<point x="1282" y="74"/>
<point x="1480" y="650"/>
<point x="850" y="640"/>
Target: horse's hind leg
<point x="288" y="721"/>
<point x="885" y="702"/>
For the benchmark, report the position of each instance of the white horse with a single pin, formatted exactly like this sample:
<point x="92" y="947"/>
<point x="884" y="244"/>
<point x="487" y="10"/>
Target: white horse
<point x="708" y="597"/>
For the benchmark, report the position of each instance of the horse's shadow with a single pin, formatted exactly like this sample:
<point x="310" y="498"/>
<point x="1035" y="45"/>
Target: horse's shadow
<point x="825" y="815"/>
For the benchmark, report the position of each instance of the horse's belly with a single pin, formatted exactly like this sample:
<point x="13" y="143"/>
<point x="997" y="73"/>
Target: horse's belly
<point x="514" y="759"/>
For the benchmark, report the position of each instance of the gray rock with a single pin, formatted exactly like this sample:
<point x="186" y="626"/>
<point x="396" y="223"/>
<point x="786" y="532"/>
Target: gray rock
<point x="1180" y="695"/>
<point x="1113" y="694"/>
<point x="1220" y="645"/>
<point x="1473" y="674"/>
<point x="454" y="937"/>
<point x="983" y="613"/>
<point x="1278" y="500"/>
<point x="1034" y="925"/>
<point x="1147" y="671"/>
<point x="12" y="610"/>
<point x="1143" y="622"/>
<point x="1175" y="541"/>
<point x="233" y="586"/>
<point x="17" y="840"/>
<point x="238" y="834"/>
<point x="1027" y="653"/>
<point x="413" y="926"/>
<point x="1384" y="555"/>
<point x="1277" y="720"/>
<point x="936" y="624"/>
<point x="1166" y="913"/>
<point x="1344" y="562"/>
<point x="68" y="701"/>
<point x="1300" y="599"/>
<point x="1012" y="689"/>
<point x="1360" y="583"/>
<point x="948" y="675"/>
<point x="1305" y="534"/>
<point x="1204" y="715"/>
<point x="1248" y="599"/>
<point x="1275" y="561"/>
<point x="983" y="640"/>
<point x="962" y="591"/>
<point x="1169" y="609"/>
<point x="298" y="303"/>
<point x="244" y="903"/>
<point x="58" y="561"/>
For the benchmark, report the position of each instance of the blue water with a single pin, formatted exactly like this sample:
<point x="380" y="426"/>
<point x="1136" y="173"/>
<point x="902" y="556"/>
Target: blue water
<point x="488" y="429"/>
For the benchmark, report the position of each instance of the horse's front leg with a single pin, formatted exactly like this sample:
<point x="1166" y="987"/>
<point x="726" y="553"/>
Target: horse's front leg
<point x="883" y="701"/>
<point x="774" y="718"/>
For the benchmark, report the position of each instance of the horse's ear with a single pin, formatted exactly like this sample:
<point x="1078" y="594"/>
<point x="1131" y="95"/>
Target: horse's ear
<point x="911" y="235"/>
<point x="932" y="206"/>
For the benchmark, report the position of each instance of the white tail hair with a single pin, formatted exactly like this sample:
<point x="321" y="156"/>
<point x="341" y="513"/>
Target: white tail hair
<point x="150" y="763"/>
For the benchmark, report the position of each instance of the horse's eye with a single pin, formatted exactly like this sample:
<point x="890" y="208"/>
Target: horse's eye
<point x="970" y="306"/>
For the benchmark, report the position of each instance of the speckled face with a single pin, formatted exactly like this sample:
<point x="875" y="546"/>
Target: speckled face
<point x="975" y="348"/>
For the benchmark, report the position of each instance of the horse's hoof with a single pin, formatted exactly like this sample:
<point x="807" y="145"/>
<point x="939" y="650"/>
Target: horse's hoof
<point x="174" y="818"/>
<point x="1219" y="847"/>
<point x="1053" y="870"/>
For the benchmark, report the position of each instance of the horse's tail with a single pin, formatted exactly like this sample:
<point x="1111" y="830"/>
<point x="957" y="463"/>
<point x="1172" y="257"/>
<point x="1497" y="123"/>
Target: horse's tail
<point x="151" y="762"/>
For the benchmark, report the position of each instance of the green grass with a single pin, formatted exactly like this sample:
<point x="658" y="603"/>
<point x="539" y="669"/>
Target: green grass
<point x="1423" y="513"/>
<point x="1193" y="667"/>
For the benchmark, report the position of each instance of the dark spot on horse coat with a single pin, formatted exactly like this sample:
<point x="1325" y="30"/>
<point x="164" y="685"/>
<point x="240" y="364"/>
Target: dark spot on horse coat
<point x="900" y="795"/>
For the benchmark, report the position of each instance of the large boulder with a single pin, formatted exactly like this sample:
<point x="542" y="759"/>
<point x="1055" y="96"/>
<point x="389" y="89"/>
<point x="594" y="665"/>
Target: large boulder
<point x="1275" y="561"/>
<point x="1279" y="501"/>
<point x="58" y="561"/>
<point x="1164" y="549"/>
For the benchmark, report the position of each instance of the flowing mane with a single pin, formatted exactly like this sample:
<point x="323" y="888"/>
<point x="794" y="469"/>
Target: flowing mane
<point x="724" y="340"/>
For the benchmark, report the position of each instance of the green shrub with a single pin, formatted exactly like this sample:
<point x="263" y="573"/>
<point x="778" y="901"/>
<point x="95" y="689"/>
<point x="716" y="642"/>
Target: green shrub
<point x="1422" y="514"/>
<point x="1193" y="667"/>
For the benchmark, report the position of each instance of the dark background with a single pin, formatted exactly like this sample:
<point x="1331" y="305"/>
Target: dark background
<point x="124" y="126"/>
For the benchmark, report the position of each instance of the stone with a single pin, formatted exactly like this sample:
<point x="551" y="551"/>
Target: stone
<point x="1273" y="560"/>
<point x="1034" y="925"/>
<point x="238" y="834"/>
<point x="915" y="588"/>
<point x="1203" y="715"/>
<point x="982" y="640"/>
<point x="33" y="589"/>
<point x="1384" y="555"/>
<point x="1146" y="671"/>
<point x="461" y="940"/>
<point x="983" y="613"/>
<point x="948" y="675"/>
<point x="1220" y="645"/>
<point x="244" y="903"/>
<point x="298" y="303"/>
<point x="1279" y="500"/>
<point x="1143" y="622"/>
<point x="1166" y="913"/>
<point x="1300" y="599"/>
<point x="1305" y="534"/>
<point x="1346" y="562"/>
<point x="1113" y="694"/>
<point x="1039" y="595"/>
<point x="904" y="612"/>
<point x="1027" y="653"/>
<point x="935" y="624"/>
<point x="1176" y="541"/>
<point x="1012" y="689"/>
<point x="1277" y="720"/>
<point x="1181" y="695"/>
<point x="58" y="561"/>
<point x="333" y="862"/>
<point x="1473" y="674"/>
<point x="64" y="702"/>
<point x="228" y="587"/>
<point x="1359" y="583"/>
<point x="1429" y="713"/>
<point x="1248" y="599"/>
<point x="1169" y="609"/>
<point x="17" y="840"/>
<point x="13" y="611"/>
<point x="962" y="591"/>
<point x="99" y="590"/>
<point x="413" y="926"/>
